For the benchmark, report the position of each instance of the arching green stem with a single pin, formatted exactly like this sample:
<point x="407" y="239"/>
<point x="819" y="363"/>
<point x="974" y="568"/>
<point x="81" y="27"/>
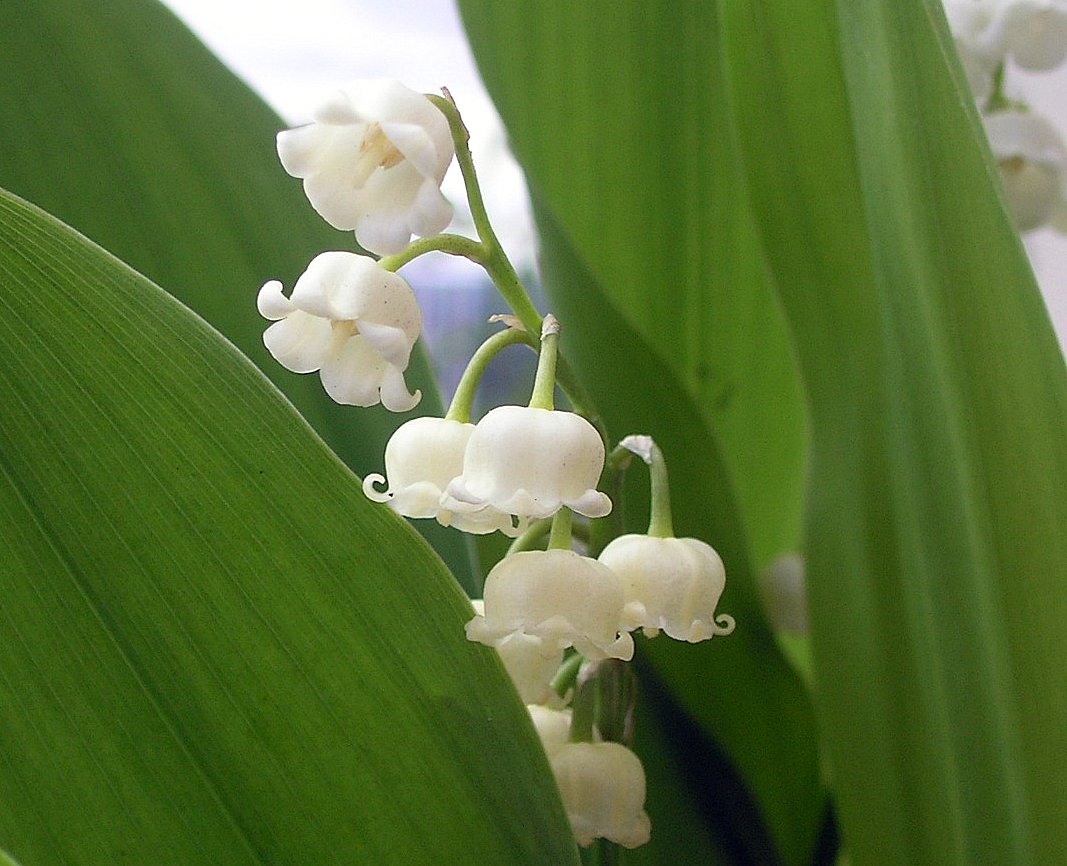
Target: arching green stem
<point x="660" y="522"/>
<point x="495" y="261"/>
<point x="454" y="245"/>
<point x="463" y="400"/>
<point x="531" y="538"/>
<point x="567" y="674"/>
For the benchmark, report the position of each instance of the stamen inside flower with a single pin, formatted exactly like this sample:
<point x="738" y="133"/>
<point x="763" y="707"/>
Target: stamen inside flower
<point x="344" y="328"/>
<point x="375" y="151"/>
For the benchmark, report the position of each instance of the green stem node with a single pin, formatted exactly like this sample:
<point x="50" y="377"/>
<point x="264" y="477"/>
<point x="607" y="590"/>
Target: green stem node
<point x="544" y="388"/>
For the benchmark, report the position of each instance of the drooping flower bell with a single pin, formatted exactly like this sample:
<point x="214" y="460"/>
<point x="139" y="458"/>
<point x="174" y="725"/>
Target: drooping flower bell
<point x="530" y="662"/>
<point x="1032" y="158"/>
<point x="670" y="584"/>
<point x="531" y="461"/>
<point x="1034" y="32"/>
<point x="603" y="790"/>
<point x="673" y="584"/>
<point x="557" y="596"/>
<point x="421" y="458"/>
<point x="351" y="320"/>
<point x="373" y="161"/>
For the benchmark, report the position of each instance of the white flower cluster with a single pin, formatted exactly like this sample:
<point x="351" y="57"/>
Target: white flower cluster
<point x="992" y="36"/>
<point x="372" y="162"/>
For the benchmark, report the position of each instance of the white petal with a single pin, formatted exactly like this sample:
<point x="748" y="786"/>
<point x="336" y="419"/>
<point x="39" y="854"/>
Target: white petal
<point x="353" y="376"/>
<point x="299" y="342"/>
<point x="271" y="303"/>
<point x="394" y="392"/>
<point x="432" y="212"/>
<point x="299" y="149"/>
<point x="334" y="284"/>
<point x="390" y="342"/>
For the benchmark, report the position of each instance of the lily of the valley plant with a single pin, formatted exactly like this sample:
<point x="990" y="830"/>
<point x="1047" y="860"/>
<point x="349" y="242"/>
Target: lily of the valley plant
<point x="559" y="615"/>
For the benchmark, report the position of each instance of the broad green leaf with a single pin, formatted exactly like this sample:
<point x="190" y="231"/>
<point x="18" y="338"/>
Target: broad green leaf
<point x="213" y="648"/>
<point x="738" y="689"/>
<point x="936" y="536"/>
<point x="619" y="115"/>
<point x="117" y="120"/>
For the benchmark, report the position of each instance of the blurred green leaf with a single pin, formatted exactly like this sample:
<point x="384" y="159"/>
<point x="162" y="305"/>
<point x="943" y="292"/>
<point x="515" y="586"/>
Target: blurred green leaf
<point x="618" y="112"/>
<point x="213" y="648"/>
<point x="117" y="120"/>
<point x="936" y="540"/>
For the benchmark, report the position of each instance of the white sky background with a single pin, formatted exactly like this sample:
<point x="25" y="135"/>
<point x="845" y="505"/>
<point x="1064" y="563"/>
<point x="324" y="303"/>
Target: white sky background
<point x="295" y="52"/>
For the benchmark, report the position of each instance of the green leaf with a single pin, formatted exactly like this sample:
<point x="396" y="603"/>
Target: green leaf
<point x="213" y="648"/>
<point x="619" y="114"/>
<point x="117" y="120"/>
<point x="737" y="689"/>
<point x="939" y="402"/>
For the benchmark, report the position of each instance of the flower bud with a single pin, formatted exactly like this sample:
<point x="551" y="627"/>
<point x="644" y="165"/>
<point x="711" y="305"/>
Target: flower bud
<point x="603" y="790"/>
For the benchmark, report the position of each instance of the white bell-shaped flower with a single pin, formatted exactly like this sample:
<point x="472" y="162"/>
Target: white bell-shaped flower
<point x="373" y="161"/>
<point x="421" y="458"/>
<point x="671" y="584"/>
<point x="784" y="593"/>
<point x="351" y="320"/>
<point x="1034" y="32"/>
<point x="530" y="662"/>
<point x="553" y="726"/>
<point x="1033" y="164"/>
<point x="531" y="462"/>
<point x="557" y="596"/>
<point x="603" y="790"/>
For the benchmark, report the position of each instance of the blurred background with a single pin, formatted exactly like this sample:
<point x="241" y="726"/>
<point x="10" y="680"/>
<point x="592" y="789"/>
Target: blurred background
<point x="295" y="52"/>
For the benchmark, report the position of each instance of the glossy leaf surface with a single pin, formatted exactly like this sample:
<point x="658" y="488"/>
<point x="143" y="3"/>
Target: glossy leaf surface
<point x="213" y="648"/>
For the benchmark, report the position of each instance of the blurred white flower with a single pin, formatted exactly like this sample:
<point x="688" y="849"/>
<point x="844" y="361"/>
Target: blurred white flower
<point x="553" y="726"/>
<point x="530" y="463"/>
<point x="603" y="790"/>
<point x="373" y="161"/>
<point x="671" y="584"/>
<point x="351" y="320"/>
<point x="530" y="662"/>
<point x="1034" y="32"/>
<point x="1033" y="165"/>
<point x="557" y="596"/>
<point x="421" y="457"/>
<point x="1031" y="33"/>
<point x="784" y="592"/>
